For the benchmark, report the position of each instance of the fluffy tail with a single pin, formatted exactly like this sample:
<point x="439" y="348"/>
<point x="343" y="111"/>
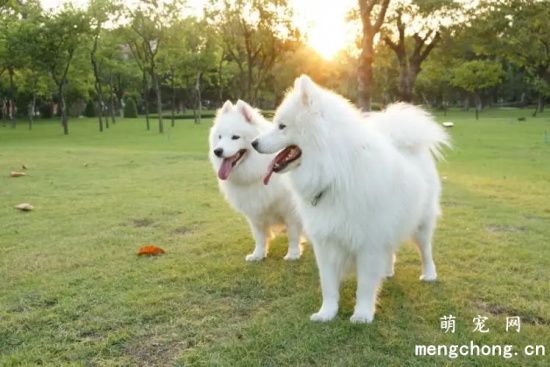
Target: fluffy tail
<point x="411" y="129"/>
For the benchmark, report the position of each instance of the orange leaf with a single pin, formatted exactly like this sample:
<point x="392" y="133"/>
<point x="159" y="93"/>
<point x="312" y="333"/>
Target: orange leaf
<point x="150" y="250"/>
<point x="17" y="174"/>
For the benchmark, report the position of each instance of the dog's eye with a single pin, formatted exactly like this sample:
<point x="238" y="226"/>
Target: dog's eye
<point x="235" y="137"/>
<point x="219" y="136"/>
<point x="282" y="126"/>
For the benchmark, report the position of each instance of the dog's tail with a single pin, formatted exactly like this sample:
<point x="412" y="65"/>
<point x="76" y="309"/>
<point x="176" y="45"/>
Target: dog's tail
<point x="412" y="129"/>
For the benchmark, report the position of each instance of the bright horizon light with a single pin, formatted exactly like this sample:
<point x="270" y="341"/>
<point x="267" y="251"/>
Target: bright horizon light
<point x="322" y="22"/>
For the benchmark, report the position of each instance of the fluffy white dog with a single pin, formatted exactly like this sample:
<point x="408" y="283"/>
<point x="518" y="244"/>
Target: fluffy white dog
<point x="364" y="184"/>
<point x="240" y="170"/>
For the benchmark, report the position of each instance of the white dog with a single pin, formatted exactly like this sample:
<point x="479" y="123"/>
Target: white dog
<point x="363" y="187"/>
<point x="240" y="170"/>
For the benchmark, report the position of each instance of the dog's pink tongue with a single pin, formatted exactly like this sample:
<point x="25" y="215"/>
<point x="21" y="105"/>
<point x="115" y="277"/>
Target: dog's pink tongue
<point x="225" y="168"/>
<point x="267" y="176"/>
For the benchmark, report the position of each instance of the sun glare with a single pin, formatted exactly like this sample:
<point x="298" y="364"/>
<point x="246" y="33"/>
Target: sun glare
<point x="324" y="24"/>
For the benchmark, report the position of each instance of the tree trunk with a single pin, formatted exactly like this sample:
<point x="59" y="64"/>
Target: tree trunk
<point x="112" y="99"/>
<point x="12" y="98"/>
<point x="97" y="84"/>
<point x="173" y="97"/>
<point x="159" y="100"/>
<point x="540" y="105"/>
<point x="249" y="84"/>
<point x="100" y="114"/>
<point x="32" y="106"/>
<point x="64" y="115"/>
<point x="146" y="99"/>
<point x="220" y="82"/>
<point x="364" y="73"/>
<point x="198" y="98"/>
<point x="405" y="92"/>
<point x="478" y="105"/>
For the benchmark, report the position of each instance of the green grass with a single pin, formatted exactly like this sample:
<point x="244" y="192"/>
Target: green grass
<point x="73" y="292"/>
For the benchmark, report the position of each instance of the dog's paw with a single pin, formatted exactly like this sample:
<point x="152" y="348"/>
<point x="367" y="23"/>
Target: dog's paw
<point x="254" y="257"/>
<point x="291" y="256"/>
<point x="430" y="277"/>
<point x="322" y="316"/>
<point x="361" y="318"/>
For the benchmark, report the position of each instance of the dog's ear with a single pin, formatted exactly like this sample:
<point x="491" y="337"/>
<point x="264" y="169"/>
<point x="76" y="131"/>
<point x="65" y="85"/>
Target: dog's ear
<point x="227" y="107"/>
<point x="306" y="87"/>
<point x="246" y="110"/>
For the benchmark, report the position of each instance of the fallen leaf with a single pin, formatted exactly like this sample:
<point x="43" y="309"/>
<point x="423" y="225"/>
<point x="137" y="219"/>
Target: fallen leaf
<point x="24" y="207"/>
<point x="150" y="250"/>
<point x="17" y="174"/>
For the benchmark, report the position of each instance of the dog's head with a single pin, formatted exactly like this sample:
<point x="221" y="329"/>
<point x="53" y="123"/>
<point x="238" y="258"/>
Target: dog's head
<point x="293" y="126"/>
<point x="235" y="126"/>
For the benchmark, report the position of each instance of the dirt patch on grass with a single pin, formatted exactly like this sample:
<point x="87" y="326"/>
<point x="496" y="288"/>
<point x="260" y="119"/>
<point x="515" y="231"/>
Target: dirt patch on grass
<point x="33" y="302"/>
<point x="186" y="230"/>
<point x="154" y="352"/>
<point x="143" y="222"/>
<point x="504" y="228"/>
<point x="183" y="230"/>
<point x="452" y="204"/>
<point x="526" y="317"/>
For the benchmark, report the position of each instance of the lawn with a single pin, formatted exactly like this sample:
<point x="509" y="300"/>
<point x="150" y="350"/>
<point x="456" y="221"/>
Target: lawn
<point x="73" y="291"/>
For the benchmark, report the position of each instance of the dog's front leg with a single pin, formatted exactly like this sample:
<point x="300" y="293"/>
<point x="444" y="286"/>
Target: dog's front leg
<point x="259" y="231"/>
<point x="294" y="230"/>
<point x="370" y="272"/>
<point x="329" y="265"/>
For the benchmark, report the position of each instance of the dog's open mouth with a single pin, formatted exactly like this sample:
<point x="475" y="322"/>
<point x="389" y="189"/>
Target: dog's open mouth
<point x="282" y="160"/>
<point x="228" y="164"/>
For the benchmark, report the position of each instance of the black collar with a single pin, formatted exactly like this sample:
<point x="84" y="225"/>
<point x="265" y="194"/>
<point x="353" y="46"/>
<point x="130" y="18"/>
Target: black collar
<point x="319" y="196"/>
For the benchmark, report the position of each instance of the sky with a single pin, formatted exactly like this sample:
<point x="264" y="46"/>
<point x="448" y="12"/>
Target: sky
<point x="323" y="22"/>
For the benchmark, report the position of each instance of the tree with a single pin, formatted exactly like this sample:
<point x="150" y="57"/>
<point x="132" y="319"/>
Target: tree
<point x="99" y="12"/>
<point x="57" y="40"/>
<point x="149" y="23"/>
<point x="372" y="14"/>
<point x="187" y="57"/>
<point x="130" y="109"/>
<point x="475" y="76"/>
<point x="255" y="36"/>
<point x="27" y="80"/>
<point x="526" y="42"/>
<point x="417" y="29"/>
<point x="13" y="24"/>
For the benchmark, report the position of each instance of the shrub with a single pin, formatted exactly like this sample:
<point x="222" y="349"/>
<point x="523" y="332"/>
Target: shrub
<point x="45" y="110"/>
<point x="89" y="111"/>
<point x="130" y="109"/>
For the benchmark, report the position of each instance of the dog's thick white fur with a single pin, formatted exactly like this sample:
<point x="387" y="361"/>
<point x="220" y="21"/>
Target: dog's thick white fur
<point x="364" y="184"/>
<point x="240" y="170"/>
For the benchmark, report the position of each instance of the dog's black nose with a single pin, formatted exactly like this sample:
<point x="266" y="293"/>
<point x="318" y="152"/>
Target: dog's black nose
<point x="218" y="152"/>
<point x="255" y="144"/>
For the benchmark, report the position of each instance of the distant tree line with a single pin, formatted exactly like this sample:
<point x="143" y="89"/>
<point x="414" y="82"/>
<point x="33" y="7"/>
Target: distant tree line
<point x="159" y="60"/>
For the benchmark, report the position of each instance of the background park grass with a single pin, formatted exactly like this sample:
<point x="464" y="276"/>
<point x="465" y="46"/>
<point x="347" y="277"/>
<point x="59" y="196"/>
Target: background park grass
<point x="73" y="292"/>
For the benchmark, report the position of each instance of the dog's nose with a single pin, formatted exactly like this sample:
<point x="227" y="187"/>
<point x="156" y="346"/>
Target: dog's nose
<point x="255" y="144"/>
<point x="218" y="152"/>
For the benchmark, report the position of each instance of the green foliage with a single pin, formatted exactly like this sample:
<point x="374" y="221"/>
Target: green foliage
<point x="90" y="110"/>
<point x="476" y="75"/>
<point x="255" y="36"/>
<point x="130" y="108"/>
<point x="45" y="110"/>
